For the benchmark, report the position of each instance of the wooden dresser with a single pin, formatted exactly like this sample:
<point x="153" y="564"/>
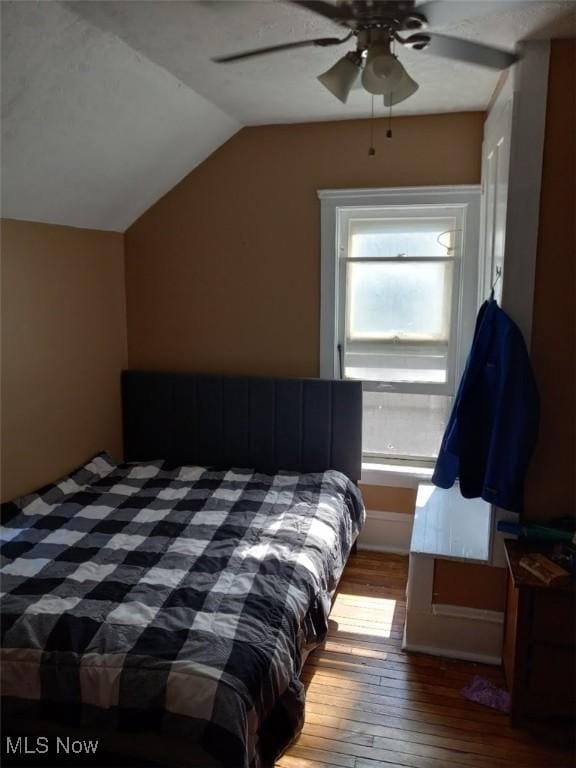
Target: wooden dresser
<point x="539" y="639"/>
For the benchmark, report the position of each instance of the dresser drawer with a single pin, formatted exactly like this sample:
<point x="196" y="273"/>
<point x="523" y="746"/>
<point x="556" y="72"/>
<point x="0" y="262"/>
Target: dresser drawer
<point x="550" y="690"/>
<point x="553" y="618"/>
<point x="552" y="672"/>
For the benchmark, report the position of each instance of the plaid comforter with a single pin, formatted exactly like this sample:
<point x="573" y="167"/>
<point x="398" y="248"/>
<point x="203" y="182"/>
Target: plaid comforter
<point x="177" y="600"/>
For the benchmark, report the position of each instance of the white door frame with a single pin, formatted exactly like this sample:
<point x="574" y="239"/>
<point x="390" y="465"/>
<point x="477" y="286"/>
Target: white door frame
<point x="530" y="84"/>
<point x="495" y="183"/>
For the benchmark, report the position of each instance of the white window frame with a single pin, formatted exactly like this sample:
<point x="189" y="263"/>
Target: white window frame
<point x="343" y="218"/>
<point x="340" y="203"/>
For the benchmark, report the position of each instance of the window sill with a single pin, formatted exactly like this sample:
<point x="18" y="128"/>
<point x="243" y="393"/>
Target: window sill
<point x="395" y="475"/>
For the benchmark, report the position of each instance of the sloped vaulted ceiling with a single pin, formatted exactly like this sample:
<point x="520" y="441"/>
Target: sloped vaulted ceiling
<point x="107" y="104"/>
<point x="93" y="132"/>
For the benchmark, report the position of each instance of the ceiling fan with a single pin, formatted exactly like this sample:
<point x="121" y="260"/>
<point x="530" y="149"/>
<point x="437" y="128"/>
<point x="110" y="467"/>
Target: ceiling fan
<point x="379" y="26"/>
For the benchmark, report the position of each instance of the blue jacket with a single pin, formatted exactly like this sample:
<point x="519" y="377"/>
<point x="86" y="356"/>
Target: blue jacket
<point x="493" y="427"/>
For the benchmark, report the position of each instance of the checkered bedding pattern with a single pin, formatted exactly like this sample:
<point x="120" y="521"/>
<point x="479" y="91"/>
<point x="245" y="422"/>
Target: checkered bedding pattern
<point x="178" y="600"/>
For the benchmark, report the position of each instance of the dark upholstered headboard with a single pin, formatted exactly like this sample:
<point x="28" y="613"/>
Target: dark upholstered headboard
<point x="306" y="425"/>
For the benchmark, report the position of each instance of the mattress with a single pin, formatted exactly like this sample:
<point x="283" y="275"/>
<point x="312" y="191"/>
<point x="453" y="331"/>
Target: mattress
<point x="176" y="600"/>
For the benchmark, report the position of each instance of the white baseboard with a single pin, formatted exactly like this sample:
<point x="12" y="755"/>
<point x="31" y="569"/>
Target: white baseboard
<point x="452" y="653"/>
<point x="464" y="612"/>
<point x="386" y="532"/>
<point x="454" y="638"/>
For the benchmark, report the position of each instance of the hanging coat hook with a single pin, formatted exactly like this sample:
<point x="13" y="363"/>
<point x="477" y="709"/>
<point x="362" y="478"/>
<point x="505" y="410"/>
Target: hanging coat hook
<point x="498" y="271"/>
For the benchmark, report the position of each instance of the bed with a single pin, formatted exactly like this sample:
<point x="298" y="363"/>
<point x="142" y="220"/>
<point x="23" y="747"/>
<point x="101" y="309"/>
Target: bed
<point x="166" y="605"/>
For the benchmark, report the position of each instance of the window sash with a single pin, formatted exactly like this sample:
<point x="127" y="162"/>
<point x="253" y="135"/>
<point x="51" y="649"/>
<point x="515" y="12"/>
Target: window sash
<point x="448" y="386"/>
<point x="360" y="220"/>
<point x="428" y="339"/>
<point x="423" y="366"/>
<point x="408" y="387"/>
<point x="337" y="207"/>
<point x="406" y="460"/>
<point x="401" y="259"/>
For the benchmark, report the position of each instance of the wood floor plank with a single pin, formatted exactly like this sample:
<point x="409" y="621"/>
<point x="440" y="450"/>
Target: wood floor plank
<point x="393" y="655"/>
<point x="385" y="755"/>
<point x="416" y="711"/>
<point x="386" y="678"/>
<point x="415" y="720"/>
<point x="371" y="705"/>
<point x="354" y="724"/>
<point x="322" y="755"/>
<point x="431" y="674"/>
<point x="291" y="761"/>
<point x="350" y="587"/>
<point x="338" y="732"/>
<point x="405" y="696"/>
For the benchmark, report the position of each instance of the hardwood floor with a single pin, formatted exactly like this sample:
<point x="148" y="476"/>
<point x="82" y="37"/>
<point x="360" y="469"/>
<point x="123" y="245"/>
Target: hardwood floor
<point x="369" y="704"/>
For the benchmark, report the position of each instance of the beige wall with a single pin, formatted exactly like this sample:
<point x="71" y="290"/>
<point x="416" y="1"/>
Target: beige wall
<point x="63" y="346"/>
<point x="389" y="499"/>
<point x="223" y="273"/>
<point x="551" y="486"/>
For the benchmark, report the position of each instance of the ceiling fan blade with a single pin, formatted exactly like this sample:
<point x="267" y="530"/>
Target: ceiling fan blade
<point x="441" y="13"/>
<point x="321" y="42"/>
<point x="472" y="53"/>
<point x="340" y="14"/>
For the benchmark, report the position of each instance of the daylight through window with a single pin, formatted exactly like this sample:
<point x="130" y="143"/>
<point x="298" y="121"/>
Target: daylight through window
<point x="401" y="318"/>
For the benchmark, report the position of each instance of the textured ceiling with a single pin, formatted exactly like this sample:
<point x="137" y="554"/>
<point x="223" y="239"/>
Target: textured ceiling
<point x="93" y="133"/>
<point x="183" y="36"/>
<point x="106" y="105"/>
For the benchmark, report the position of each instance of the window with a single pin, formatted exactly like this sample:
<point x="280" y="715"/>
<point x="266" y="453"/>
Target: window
<point x="399" y="275"/>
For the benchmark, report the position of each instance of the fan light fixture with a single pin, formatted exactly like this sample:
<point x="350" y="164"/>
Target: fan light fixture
<point x="382" y="71"/>
<point x="379" y="24"/>
<point x="405" y="88"/>
<point x="382" y="75"/>
<point x="341" y="78"/>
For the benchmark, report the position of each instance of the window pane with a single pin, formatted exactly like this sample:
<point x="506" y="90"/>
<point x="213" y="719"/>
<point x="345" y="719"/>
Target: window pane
<point x="397" y="363"/>
<point x="402" y="425"/>
<point x="379" y="238"/>
<point x="397" y="301"/>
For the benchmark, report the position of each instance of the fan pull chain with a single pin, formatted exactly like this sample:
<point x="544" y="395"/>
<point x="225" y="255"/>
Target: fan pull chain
<point x="371" y="150"/>
<point x="389" y="131"/>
